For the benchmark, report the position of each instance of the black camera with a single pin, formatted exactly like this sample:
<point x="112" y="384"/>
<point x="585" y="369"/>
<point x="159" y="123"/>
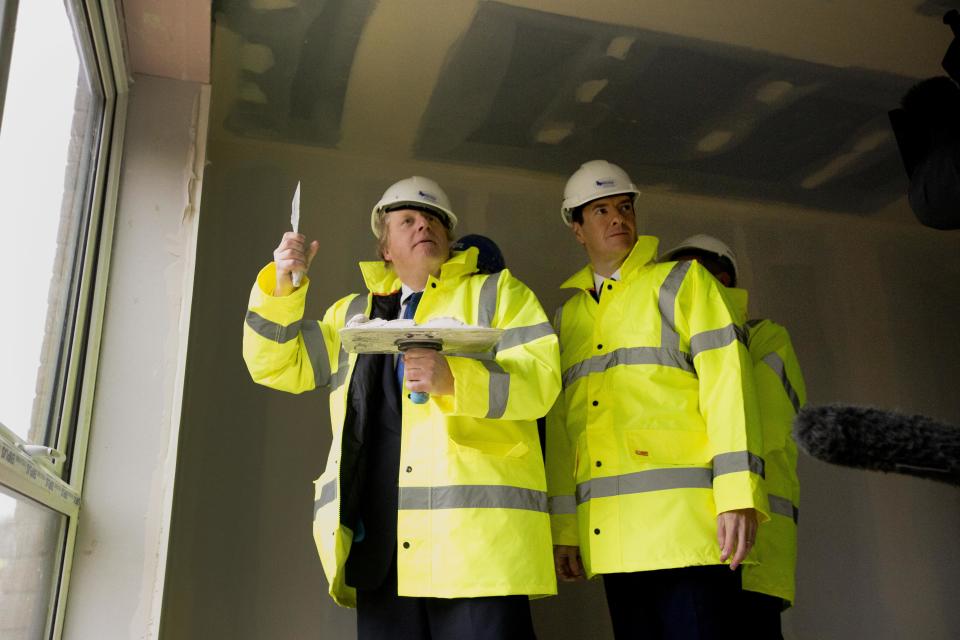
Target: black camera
<point x="927" y="129"/>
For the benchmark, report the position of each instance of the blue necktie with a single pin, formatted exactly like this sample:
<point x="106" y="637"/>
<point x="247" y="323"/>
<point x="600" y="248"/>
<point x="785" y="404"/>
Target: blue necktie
<point x="412" y="301"/>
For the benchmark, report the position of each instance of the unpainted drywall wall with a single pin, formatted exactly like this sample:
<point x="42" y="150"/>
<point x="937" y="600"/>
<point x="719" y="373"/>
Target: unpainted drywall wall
<point x="120" y="549"/>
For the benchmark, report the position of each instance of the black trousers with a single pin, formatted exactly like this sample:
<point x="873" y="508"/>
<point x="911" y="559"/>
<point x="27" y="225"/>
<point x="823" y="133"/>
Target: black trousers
<point x="763" y="613"/>
<point x="383" y="615"/>
<point x="689" y="603"/>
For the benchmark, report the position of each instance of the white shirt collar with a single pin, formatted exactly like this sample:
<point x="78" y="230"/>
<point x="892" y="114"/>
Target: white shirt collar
<point x="598" y="279"/>
<point x="405" y="293"/>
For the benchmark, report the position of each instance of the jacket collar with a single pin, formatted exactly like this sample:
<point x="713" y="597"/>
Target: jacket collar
<point x="738" y="303"/>
<point x="643" y="253"/>
<point x="381" y="279"/>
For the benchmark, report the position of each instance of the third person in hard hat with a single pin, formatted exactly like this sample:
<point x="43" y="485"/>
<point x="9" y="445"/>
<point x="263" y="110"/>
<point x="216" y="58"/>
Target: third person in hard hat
<point x="769" y="587"/>
<point x="430" y="518"/>
<point x="654" y="451"/>
<point x="489" y="256"/>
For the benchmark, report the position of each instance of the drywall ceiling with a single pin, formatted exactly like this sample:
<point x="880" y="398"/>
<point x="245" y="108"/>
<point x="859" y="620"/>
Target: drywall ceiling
<point x="762" y="100"/>
<point x="169" y="38"/>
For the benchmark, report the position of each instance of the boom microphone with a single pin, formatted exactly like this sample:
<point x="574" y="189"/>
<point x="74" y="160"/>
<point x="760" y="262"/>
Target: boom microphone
<point x="878" y="440"/>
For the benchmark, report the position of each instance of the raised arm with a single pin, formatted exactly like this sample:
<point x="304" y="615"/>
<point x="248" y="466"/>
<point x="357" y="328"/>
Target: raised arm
<point x="281" y="349"/>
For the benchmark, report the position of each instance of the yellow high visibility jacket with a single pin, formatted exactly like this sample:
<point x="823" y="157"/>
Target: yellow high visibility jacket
<point x="781" y="392"/>
<point x="472" y="517"/>
<point x="656" y="430"/>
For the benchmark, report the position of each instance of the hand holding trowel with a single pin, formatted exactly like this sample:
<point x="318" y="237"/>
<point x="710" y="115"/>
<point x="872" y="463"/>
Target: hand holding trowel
<point x="420" y="369"/>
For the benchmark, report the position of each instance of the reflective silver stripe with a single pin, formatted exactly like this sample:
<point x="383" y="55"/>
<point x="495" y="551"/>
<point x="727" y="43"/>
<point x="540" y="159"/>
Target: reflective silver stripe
<point x="317" y="353"/>
<point x="562" y="505"/>
<point x="669" y="338"/>
<point x="736" y="461"/>
<point x="775" y="362"/>
<point x="557" y="315"/>
<point x="357" y="305"/>
<point x="629" y="356"/>
<point x="272" y="330"/>
<point x="477" y="496"/>
<point x="328" y="493"/>
<point x="784" y="507"/>
<point x="523" y="335"/>
<point x="713" y="339"/>
<point x="499" y="379"/>
<point x="645" y="481"/>
<point x="340" y="375"/>
<point x="488" y="300"/>
<point x="499" y="389"/>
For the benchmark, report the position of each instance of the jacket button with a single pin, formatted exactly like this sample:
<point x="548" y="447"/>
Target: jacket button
<point x="409" y="469"/>
<point x="599" y="346"/>
<point x="595" y="403"/>
<point x="596" y="531"/>
<point x="599" y="464"/>
<point x="609" y="287"/>
<point x="433" y="284"/>
<point x="408" y="396"/>
<point x="406" y="545"/>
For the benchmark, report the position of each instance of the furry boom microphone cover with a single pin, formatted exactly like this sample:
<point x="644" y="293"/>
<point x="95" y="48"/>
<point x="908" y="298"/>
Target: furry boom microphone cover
<point x="880" y="440"/>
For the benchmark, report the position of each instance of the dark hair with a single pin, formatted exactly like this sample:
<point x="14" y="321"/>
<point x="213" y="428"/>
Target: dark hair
<point x="712" y="262"/>
<point x="577" y="214"/>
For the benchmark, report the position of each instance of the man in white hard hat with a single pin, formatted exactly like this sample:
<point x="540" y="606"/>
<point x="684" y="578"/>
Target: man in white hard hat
<point x="768" y="587"/>
<point x="654" y="461"/>
<point x="430" y="518"/>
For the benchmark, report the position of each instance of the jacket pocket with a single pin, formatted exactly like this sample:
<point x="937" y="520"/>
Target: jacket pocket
<point x="506" y="450"/>
<point x="668" y="447"/>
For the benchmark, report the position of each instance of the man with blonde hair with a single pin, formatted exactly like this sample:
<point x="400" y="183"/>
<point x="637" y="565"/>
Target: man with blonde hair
<point x="430" y="518"/>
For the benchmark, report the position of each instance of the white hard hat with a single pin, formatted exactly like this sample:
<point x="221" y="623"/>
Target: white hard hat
<point x="593" y="180"/>
<point x="417" y="193"/>
<point x="707" y="244"/>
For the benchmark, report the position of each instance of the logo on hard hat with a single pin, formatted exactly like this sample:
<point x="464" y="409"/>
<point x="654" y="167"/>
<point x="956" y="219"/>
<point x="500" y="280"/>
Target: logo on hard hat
<point x="428" y="196"/>
<point x="606" y="183"/>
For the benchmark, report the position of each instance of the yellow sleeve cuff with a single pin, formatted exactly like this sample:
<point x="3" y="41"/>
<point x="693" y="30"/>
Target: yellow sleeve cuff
<point x="470" y="389"/>
<point x="564" y="530"/>
<point x="283" y="309"/>
<point x="741" y="490"/>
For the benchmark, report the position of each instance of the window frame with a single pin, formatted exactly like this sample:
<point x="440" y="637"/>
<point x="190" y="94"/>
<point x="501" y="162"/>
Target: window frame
<point x="24" y="469"/>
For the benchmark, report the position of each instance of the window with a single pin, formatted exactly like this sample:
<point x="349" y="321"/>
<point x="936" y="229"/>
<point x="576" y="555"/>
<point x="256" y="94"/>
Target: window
<point x="57" y="103"/>
<point x="30" y="558"/>
<point x="51" y="121"/>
